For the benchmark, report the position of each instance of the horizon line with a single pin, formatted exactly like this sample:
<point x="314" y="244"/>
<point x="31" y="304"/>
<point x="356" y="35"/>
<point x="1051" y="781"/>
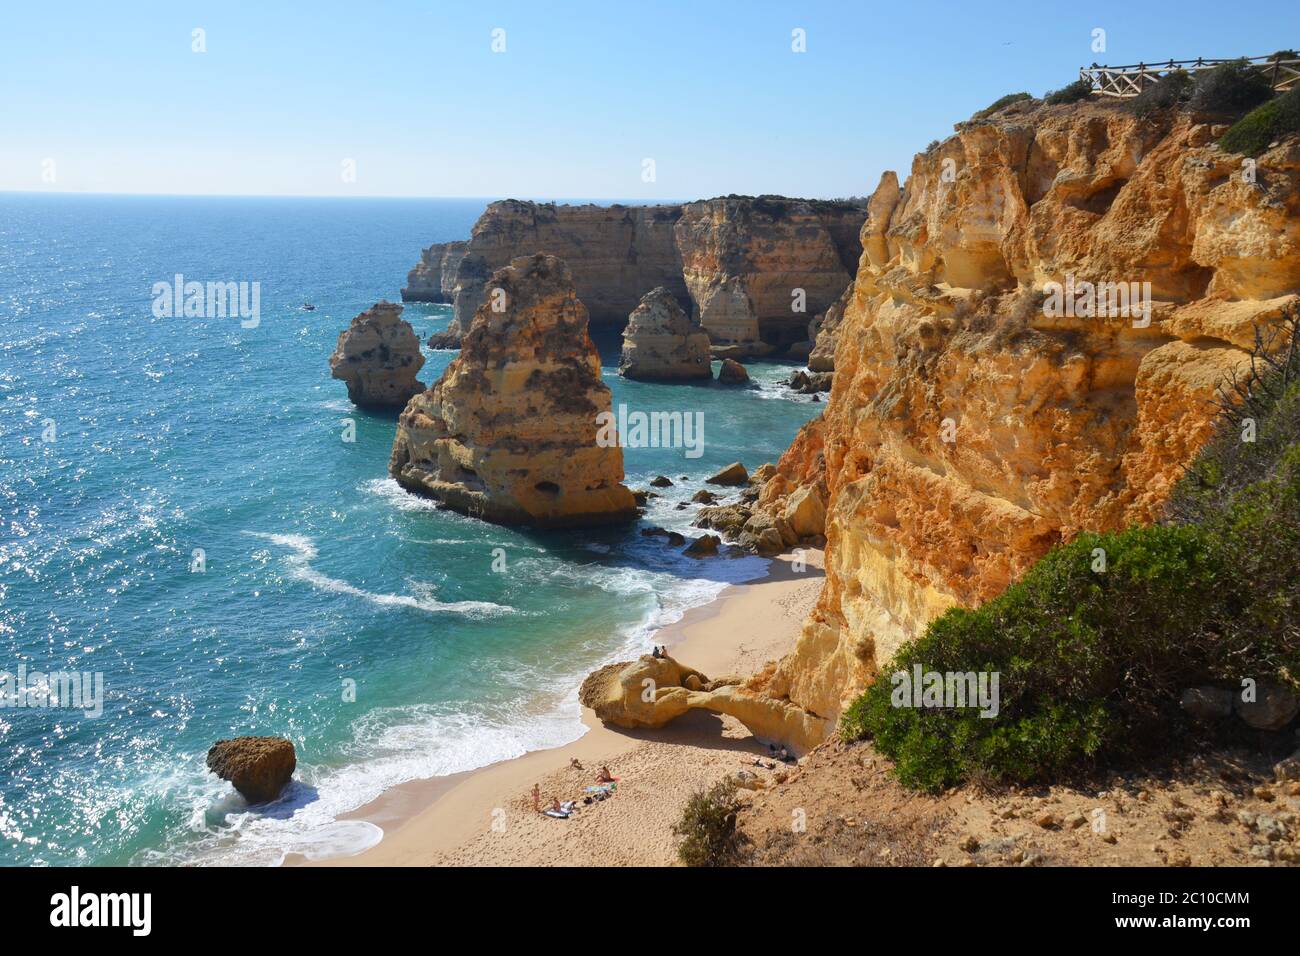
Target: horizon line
<point x="498" y="198"/>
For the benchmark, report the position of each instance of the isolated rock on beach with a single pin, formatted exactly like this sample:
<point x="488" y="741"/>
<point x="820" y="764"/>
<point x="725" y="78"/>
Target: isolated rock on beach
<point x="509" y="432"/>
<point x="661" y="343"/>
<point x="651" y="691"/>
<point x="378" y="356"/>
<point x="259" y="767"/>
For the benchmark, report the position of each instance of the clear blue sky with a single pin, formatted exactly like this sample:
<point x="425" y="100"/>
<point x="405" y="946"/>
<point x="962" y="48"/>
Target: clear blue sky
<point x="412" y="92"/>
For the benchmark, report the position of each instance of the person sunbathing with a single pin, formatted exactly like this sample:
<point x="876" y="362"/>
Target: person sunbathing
<point x="604" y="776"/>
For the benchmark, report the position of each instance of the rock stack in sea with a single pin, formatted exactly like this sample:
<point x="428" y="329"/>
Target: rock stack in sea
<point x="378" y="356"/>
<point x="750" y="269"/>
<point x="661" y="342"/>
<point x="509" y="433"/>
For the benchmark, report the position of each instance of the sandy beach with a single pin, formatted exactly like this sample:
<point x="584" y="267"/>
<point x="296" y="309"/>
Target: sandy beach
<point x="486" y="818"/>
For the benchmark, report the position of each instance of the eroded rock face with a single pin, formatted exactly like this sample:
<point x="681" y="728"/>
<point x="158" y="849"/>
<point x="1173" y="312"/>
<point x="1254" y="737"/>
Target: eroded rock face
<point x="509" y="432"/>
<point x="448" y="339"/>
<point x="745" y="258"/>
<point x="617" y="695"/>
<point x="967" y="432"/>
<point x="434" y="277"/>
<point x="733" y="262"/>
<point x="259" y="767"/>
<point x="616" y="253"/>
<point x="378" y="356"/>
<point x="823" y="332"/>
<point x="661" y="343"/>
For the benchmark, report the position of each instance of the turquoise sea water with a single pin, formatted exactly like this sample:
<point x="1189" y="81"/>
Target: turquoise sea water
<point x="176" y="434"/>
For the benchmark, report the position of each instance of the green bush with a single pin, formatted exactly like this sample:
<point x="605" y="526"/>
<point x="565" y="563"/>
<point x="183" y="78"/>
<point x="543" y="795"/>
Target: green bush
<point x="1091" y="661"/>
<point x="1080" y="89"/>
<point x="1232" y="87"/>
<point x="1085" y="660"/>
<point x="1251" y="134"/>
<point x="1001" y="103"/>
<point x="1170" y="91"/>
<point x="708" y="827"/>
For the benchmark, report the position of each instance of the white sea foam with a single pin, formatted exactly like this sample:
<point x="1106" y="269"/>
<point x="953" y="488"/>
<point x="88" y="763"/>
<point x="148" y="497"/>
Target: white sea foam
<point x="303" y="551"/>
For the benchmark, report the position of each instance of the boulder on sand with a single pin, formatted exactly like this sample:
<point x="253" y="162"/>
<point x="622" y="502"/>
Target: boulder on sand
<point x="259" y="767"/>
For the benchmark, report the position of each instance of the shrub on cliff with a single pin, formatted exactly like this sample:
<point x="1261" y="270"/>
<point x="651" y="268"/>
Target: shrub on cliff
<point x="707" y="828"/>
<point x="1232" y="87"/>
<point x="1000" y="103"/>
<point x="1080" y="89"/>
<point x="1170" y="91"/>
<point x="1251" y="134"/>
<point x="1085" y="659"/>
<point x="1091" y="654"/>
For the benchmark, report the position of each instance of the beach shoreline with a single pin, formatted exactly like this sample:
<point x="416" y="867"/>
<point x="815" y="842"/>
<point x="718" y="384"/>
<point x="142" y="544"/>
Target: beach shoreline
<point x="484" y="816"/>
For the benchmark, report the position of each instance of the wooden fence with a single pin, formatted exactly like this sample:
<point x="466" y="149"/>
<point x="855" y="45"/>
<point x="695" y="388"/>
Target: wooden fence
<point x="1124" y="81"/>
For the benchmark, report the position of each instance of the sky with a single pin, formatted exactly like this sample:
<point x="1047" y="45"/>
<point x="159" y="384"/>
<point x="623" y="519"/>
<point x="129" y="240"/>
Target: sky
<point x="409" y="98"/>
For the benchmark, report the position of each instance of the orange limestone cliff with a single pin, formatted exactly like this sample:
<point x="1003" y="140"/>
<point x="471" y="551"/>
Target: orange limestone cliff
<point x="509" y="432"/>
<point x="981" y="410"/>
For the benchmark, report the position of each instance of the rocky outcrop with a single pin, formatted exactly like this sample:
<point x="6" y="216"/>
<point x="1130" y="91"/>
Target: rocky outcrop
<point x="823" y="332"/>
<point x="968" y="428"/>
<point x="732" y="372"/>
<point x="810" y="383"/>
<point x="510" y="431"/>
<point x="434" y="277"/>
<point x="259" y="767"/>
<point x="758" y="267"/>
<point x="448" y="339"/>
<point x="733" y="474"/>
<point x="661" y="343"/>
<point x="734" y="262"/>
<point x="378" y="356"/>
<point x="651" y="691"/>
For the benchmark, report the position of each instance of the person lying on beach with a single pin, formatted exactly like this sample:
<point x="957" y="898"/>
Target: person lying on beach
<point x="605" y="776"/>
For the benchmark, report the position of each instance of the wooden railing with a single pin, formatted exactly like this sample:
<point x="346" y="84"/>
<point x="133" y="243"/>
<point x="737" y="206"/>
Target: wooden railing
<point x="1131" y="80"/>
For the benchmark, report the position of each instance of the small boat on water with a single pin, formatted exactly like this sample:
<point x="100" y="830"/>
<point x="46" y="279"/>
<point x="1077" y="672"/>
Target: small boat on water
<point x="308" y="307"/>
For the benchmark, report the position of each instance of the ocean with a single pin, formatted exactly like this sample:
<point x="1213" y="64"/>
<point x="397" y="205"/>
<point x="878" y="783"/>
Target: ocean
<point x="180" y="513"/>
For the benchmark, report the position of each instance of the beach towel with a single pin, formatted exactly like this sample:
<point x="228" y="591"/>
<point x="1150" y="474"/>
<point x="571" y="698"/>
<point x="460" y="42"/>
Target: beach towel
<point x="558" y="814"/>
